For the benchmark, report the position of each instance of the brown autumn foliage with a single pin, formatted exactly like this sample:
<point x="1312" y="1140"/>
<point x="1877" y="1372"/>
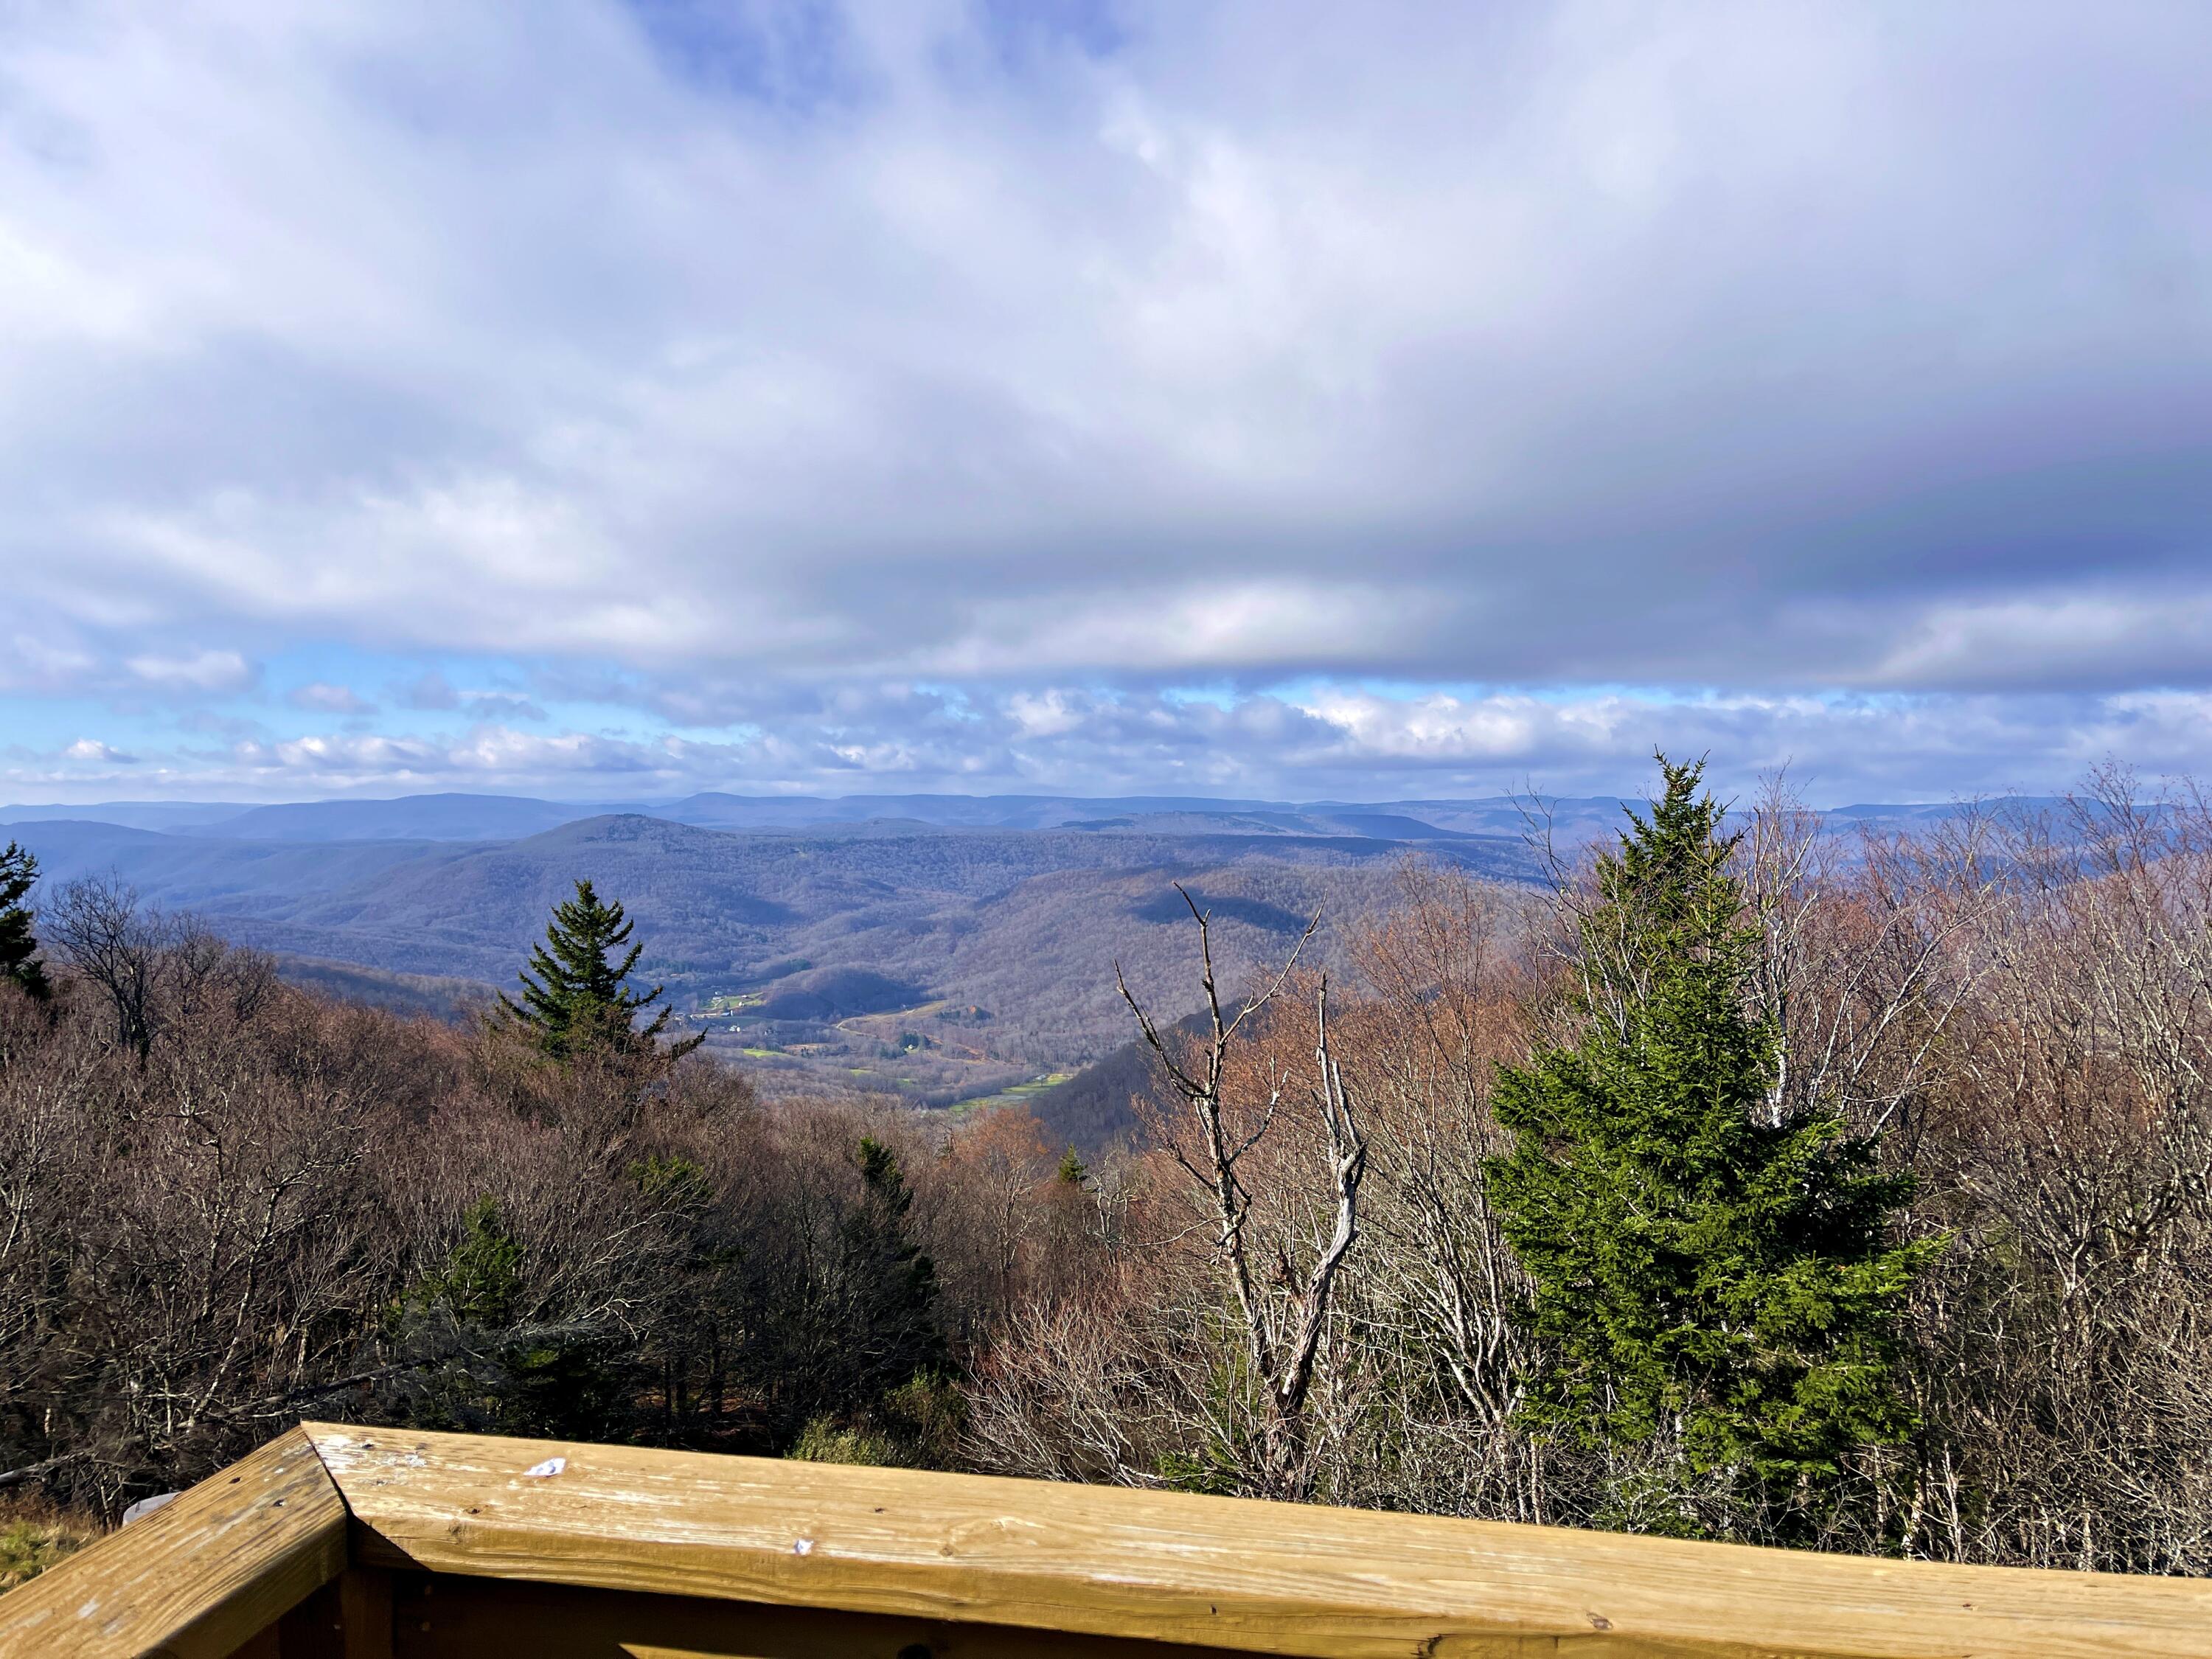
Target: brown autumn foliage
<point x="225" y="1203"/>
<point x="2019" y="1002"/>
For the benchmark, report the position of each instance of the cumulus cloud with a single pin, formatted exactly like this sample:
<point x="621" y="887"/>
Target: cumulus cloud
<point x="501" y="705"/>
<point x="324" y="698"/>
<point x="199" y="671"/>
<point x="92" y="750"/>
<point x="1328" y="744"/>
<point x="432" y="690"/>
<point x="1829" y="369"/>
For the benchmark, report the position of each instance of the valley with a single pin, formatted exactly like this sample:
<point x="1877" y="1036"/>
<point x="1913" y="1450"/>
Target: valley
<point x="945" y="949"/>
<point x="951" y="961"/>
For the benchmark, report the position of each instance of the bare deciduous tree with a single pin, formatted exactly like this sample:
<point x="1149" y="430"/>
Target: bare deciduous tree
<point x="1283" y="1317"/>
<point x="108" y="939"/>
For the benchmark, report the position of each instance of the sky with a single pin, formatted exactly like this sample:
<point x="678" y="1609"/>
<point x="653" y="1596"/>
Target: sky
<point x="609" y="400"/>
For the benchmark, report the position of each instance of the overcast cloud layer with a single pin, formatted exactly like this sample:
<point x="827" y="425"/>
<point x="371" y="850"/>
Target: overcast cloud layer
<point x="1369" y="400"/>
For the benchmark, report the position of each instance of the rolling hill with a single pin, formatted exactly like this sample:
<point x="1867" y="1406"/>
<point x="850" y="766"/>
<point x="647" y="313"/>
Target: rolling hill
<point x="947" y="947"/>
<point x="944" y="963"/>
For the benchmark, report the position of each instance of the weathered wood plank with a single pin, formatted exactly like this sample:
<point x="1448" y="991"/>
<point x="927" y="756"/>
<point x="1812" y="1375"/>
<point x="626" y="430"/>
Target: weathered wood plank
<point x="197" y="1579"/>
<point x="1208" y="1572"/>
<point x="365" y="1609"/>
<point x="449" y="1618"/>
<point x="349" y="1617"/>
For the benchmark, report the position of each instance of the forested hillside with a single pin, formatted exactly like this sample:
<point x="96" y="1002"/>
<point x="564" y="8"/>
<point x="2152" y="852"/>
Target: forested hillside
<point x="1736" y="1188"/>
<point x="944" y="948"/>
<point x="993" y="947"/>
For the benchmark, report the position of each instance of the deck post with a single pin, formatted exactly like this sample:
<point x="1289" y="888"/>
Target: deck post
<point x="349" y="1617"/>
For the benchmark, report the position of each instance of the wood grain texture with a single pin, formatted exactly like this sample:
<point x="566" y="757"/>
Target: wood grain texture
<point x="349" y="1617"/>
<point x="365" y="1607"/>
<point x="1208" y="1572"/>
<point x="198" y="1579"/>
<point x="446" y="1617"/>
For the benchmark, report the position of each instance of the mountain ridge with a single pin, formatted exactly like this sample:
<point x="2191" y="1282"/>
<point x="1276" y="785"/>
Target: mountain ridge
<point x="462" y="817"/>
<point x="1001" y="940"/>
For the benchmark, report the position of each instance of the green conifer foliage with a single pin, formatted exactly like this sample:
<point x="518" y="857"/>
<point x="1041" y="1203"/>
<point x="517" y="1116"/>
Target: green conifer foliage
<point x="579" y="1002"/>
<point x="514" y="1374"/>
<point x="848" y="1316"/>
<point x="891" y="1283"/>
<point x="1709" y="1284"/>
<point x="19" y="947"/>
<point x="481" y="1282"/>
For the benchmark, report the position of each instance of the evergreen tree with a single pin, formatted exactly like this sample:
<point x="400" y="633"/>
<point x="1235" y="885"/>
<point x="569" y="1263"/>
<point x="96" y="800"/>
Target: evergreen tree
<point x="846" y="1321"/>
<point x="507" y="1370"/>
<point x="1708" y="1284"/>
<point x="19" y="947"/>
<point x="891" y="1285"/>
<point x="580" y="1002"/>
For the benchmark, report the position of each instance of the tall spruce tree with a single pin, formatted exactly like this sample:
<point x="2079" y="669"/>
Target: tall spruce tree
<point x="1712" y="1286"/>
<point x="580" y="1002"/>
<point x="19" y="945"/>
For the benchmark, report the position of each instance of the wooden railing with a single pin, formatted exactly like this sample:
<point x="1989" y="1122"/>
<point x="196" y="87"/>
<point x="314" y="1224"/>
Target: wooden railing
<point x="342" y="1543"/>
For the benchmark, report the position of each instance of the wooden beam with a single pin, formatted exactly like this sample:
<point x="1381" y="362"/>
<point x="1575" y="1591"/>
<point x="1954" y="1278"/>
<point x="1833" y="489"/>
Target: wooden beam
<point x="1208" y="1572"/>
<point x="446" y="1617"/>
<point x="349" y="1618"/>
<point x="199" y="1579"/>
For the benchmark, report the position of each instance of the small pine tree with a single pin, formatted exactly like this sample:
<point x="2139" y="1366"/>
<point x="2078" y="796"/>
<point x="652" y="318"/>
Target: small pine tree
<point x="504" y="1371"/>
<point x="19" y="945"/>
<point x="891" y="1284"/>
<point x="1708" y="1283"/>
<point x="580" y="1002"/>
<point x="481" y="1284"/>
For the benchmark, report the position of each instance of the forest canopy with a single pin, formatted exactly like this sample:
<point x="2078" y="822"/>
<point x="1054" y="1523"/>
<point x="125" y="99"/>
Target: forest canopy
<point x="1754" y="1180"/>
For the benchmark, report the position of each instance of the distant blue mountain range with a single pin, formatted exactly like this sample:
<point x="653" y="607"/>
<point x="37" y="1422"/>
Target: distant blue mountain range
<point x="508" y="817"/>
<point x="941" y="947"/>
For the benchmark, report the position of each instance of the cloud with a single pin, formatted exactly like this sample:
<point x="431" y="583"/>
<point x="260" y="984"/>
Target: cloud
<point x="1324" y="742"/>
<point x="429" y="689"/>
<point x="201" y="672"/>
<point x="501" y="705"/>
<point x="432" y="690"/>
<point x="1803" y="366"/>
<point x="92" y="750"/>
<point x="324" y="698"/>
<point x="47" y="666"/>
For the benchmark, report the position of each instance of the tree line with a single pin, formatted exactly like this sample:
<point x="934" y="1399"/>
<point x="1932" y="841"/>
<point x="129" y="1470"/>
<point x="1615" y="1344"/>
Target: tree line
<point x="1756" y="1182"/>
<point x="1753" y="1181"/>
<point x="226" y="1203"/>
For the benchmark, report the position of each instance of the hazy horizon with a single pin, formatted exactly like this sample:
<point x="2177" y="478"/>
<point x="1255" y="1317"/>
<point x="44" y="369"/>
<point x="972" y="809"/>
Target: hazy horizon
<point x="646" y="803"/>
